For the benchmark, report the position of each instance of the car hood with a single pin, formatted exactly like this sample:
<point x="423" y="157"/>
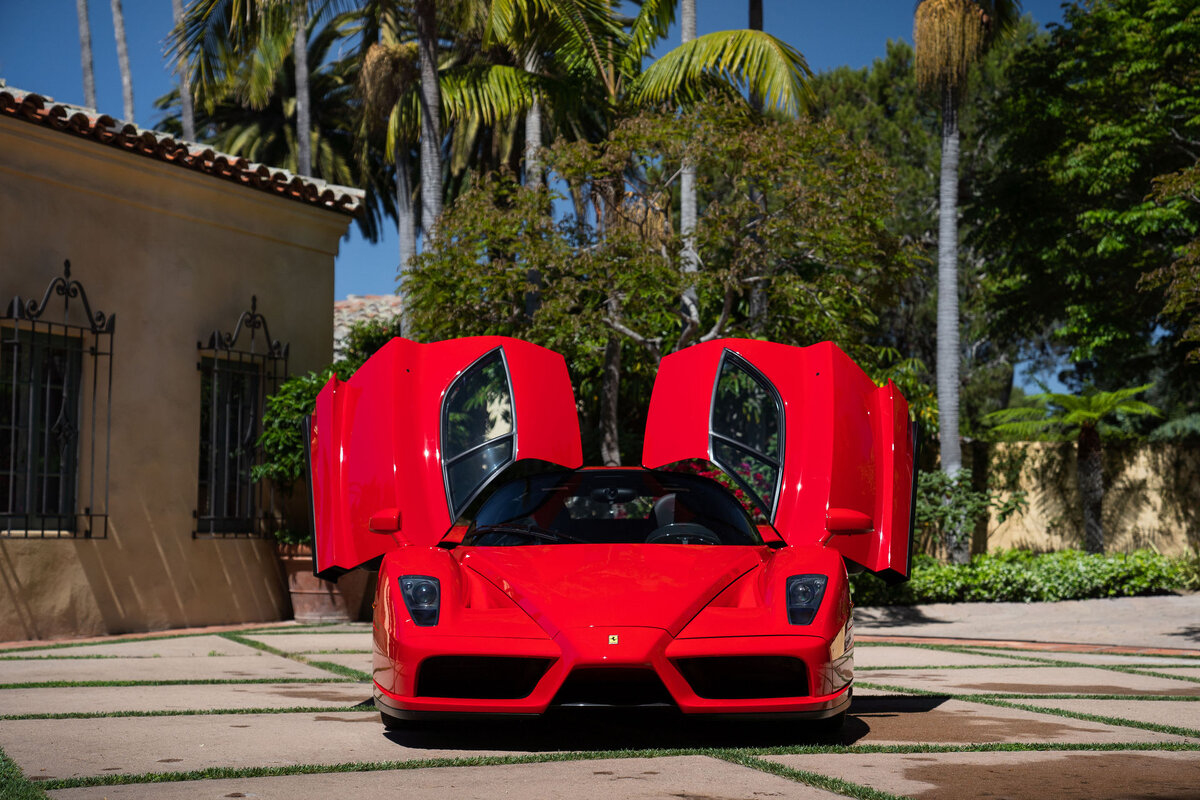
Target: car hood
<point x="612" y="585"/>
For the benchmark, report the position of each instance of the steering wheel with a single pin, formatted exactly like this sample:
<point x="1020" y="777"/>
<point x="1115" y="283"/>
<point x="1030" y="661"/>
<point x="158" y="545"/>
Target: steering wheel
<point x="683" y="533"/>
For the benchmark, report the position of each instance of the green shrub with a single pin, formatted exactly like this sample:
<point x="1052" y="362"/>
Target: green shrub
<point x="1022" y="576"/>
<point x="947" y="504"/>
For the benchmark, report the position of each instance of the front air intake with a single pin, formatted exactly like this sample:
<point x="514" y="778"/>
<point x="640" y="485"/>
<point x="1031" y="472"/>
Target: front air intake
<point x="480" y="677"/>
<point x="623" y="687"/>
<point x="745" y="677"/>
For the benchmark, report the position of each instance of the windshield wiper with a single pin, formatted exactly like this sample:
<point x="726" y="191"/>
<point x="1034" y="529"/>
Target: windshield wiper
<point x="529" y="530"/>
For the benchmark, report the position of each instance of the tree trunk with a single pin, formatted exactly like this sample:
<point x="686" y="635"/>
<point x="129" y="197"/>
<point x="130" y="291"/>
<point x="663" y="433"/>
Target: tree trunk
<point x="187" y="113"/>
<point x="689" y="258"/>
<point x="610" y="387"/>
<point x="406" y="228"/>
<point x="303" y="114"/>
<point x="756" y="24"/>
<point x="431" y="117"/>
<point x="85" y="54"/>
<point x="947" y="315"/>
<point x="123" y="60"/>
<point x="1090" y="474"/>
<point x="533" y="132"/>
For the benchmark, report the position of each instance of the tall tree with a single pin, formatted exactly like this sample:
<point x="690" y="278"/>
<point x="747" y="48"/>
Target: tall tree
<point x="118" y="16"/>
<point x="687" y="174"/>
<point x="217" y="36"/>
<point x="1106" y="105"/>
<point x="950" y="36"/>
<point x="303" y="91"/>
<point x="1081" y="416"/>
<point x="85" y="53"/>
<point x="431" y="114"/>
<point x="188" y="113"/>
<point x="266" y="133"/>
<point x="612" y="280"/>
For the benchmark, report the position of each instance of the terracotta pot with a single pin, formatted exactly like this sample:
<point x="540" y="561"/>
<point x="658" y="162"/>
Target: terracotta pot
<point x="317" y="600"/>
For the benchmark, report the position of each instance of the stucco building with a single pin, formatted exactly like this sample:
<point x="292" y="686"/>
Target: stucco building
<point x="130" y="381"/>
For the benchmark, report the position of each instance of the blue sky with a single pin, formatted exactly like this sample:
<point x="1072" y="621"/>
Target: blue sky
<point x="39" y="52"/>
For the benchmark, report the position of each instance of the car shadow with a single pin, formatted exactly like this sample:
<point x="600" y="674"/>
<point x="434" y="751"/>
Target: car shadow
<point x="636" y="729"/>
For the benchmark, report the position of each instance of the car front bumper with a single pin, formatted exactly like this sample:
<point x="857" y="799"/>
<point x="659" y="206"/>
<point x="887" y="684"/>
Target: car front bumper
<point x="818" y="689"/>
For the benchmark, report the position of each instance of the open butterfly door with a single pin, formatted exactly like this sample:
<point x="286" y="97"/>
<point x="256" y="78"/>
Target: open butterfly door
<point x="825" y="454"/>
<point x="397" y="452"/>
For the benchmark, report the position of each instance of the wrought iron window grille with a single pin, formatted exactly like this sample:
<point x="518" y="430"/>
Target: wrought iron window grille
<point x="235" y="382"/>
<point x="55" y="417"/>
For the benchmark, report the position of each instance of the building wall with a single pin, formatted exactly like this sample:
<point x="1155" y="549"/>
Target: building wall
<point x="1151" y="497"/>
<point x="173" y="255"/>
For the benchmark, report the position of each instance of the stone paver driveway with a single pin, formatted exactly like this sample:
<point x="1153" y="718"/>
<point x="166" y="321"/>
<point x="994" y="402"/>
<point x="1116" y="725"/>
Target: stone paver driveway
<point x="284" y="711"/>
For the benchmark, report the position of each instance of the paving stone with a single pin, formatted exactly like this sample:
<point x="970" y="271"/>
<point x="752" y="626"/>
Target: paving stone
<point x="1168" y="622"/>
<point x="1179" y="713"/>
<point x="315" y="642"/>
<point x="363" y="662"/>
<point x="260" y="665"/>
<point x="898" y="719"/>
<point x="110" y="699"/>
<point x="868" y="655"/>
<point x="131" y="745"/>
<point x="179" y="647"/>
<point x="615" y="779"/>
<point x="1080" y="775"/>
<point x="1041" y="680"/>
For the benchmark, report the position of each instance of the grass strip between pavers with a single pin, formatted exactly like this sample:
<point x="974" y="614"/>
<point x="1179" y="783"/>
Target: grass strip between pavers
<point x="114" y="640"/>
<point x="14" y="784"/>
<point x="328" y="666"/>
<point x="1036" y="662"/>
<point x="1048" y="655"/>
<point x="727" y="754"/>
<point x="189" y="712"/>
<point x="67" y="658"/>
<point x="179" y="682"/>
<point x="1002" y="701"/>
<point x="815" y="779"/>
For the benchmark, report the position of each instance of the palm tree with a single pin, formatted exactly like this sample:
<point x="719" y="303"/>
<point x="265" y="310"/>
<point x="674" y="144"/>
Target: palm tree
<point x="185" y="83"/>
<point x="687" y="182"/>
<point x="950" y="36"/>
<point x="425" y="12"/>
<point x="85" y="53"/>
<point x="215" y="36"/>
<point x="266" y="133"/>
<point x="123" y="59"/>
<point x="1080" y="416"/>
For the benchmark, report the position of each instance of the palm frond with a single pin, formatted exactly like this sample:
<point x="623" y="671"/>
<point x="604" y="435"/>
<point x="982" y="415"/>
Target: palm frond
<point x="752" y="60"/>
<point x="490" y="92"/>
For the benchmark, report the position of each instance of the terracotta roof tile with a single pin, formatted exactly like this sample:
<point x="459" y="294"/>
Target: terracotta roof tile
<point x="359" y="307"/>
<point x="86" y="122"/>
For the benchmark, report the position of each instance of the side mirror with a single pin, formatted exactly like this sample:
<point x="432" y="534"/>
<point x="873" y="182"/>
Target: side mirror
<point x="386" y="520"/>
<point x="846" y="520"/>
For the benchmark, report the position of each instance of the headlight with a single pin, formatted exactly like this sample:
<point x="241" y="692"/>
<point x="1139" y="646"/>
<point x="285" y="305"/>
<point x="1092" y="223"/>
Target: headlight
<point x="804" y="593"/>
<point x="422" y="597"/>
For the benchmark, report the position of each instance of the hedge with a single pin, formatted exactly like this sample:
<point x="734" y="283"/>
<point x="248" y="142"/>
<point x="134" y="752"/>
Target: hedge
<point x="1023" y="576"/>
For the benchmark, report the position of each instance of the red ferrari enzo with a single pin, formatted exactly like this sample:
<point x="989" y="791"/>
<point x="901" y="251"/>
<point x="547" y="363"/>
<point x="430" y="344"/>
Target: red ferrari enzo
<point x="511" y="581"/>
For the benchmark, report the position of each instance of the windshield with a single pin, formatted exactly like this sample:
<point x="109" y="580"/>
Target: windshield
<point x="611" y="506"/>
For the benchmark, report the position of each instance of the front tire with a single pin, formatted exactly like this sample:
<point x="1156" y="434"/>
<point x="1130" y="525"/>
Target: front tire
<point x="391" y="723"/>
